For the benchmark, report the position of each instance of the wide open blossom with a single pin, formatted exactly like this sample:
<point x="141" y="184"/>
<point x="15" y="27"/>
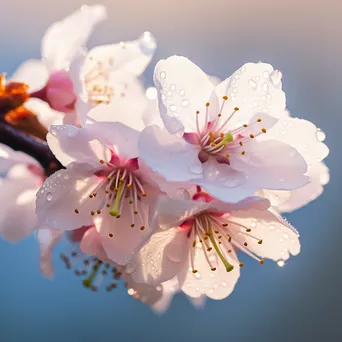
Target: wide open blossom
<point x="196" y="241"/>
<point x="104" y="178"/>
<point x="22" y="177"/>
<point x="65" y="40"/>
<point x="217" y="136"/>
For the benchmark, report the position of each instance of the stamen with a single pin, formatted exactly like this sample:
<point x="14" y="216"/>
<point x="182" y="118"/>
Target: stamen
<point x="229" y="267"/>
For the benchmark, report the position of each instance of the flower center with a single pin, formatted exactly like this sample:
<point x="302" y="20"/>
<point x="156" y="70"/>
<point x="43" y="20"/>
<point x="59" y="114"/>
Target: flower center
<point x="97" y="81"/>
<point x="120" y="187"/>
<point x="216" y="140"/>
<point x="217" y="233"/>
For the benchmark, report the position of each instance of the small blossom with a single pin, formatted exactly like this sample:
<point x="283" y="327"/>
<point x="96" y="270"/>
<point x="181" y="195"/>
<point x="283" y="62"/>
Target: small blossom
<point x="196" y="241"/>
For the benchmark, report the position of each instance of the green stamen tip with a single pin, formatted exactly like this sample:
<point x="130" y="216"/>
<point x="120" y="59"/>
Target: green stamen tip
<point x="89" y="281"/>
<point x="228" y="138"/>
<point x="229" y="267"/>
<point x="114" y="211"/>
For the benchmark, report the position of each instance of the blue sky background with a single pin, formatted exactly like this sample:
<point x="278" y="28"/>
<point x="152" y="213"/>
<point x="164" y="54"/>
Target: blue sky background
<point x="300" y="302"/>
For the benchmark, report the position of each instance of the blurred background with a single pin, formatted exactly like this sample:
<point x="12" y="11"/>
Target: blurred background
<point x="299" y="302"/>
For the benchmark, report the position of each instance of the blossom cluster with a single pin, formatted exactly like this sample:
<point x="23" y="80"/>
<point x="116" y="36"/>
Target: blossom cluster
<point x="164" y="187"/>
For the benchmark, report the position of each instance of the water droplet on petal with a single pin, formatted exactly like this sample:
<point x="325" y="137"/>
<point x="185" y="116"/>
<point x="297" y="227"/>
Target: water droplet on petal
<point x="265" y="86"/>
<point x="197" y="275"/>
<point x="266" y="74"/>
<point x="185" y="103"/>
<point x="320" y="135"/>
<point x="173" y="108"/>
<point x="196" y="168"/>
<point x="252" y="84"/>
<point x="151" y="93"/>
<point x="162" y="75"/>
<point x="147" y="43"/>
<point x="182" y="92"/>
<point x="281" y="263"/>
<point x="276" y="76"/>
<point x="172" y="87"/>
<point x="271" y="227"/>
<point x="49" y="196"/>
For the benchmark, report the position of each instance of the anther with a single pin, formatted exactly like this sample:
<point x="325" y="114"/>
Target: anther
<point x="92" y="213"/>
<point x="229" y="250"/>
<point x="241" y="264"/>
<point x="209" y="249"/>
<point x="194" y="243"/>
<point x="263" y="130"/>
<point x="236" y="109"/>
<point x="132" y="225"/>
<point x="225" y="225"/>
<point x="213" y="268"/>
<point x="246" y="244"/>
<point x="142" y="227"/>
<point x="110" y="235"/>
<point x="91" y="196"/>
<point x="207" y="104"/>
<point x="244" y="125"/>
<point x="130" y="202"/>
<point x="102" y="161"/>
<point x="251" y="136"/>
<point x="197" y="112"/>
<point x="76" y="211"/>
<point x="259" y="120"/>
<point x="98" y="211"/>
<point x="248" y="230"/>
<point x="108" y="205"/>
<point x="260" y="242"/>
<point x="243" y="153"/>
<point x="227" y="155"/>
<point x="194" y="271"/>
<point x="106" y="191"/>
<point x="135" y="212"/>
<point x="219" y="115"/>
<point x="262" y="261"/>
<point x="128" y="186"/>
<point x="225" y="98"/>
<point x="241" y="143"/>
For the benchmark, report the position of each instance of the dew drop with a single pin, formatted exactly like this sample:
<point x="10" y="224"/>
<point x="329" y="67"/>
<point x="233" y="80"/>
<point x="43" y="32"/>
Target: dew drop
<point x="185" y="103"/>
<point x="266" y="74"/>
<point x="265" y="86"/>
<point x="173" y="87"/>
<point x="224" y="284"/>
<point x="271" y="227"/>
<point x="281" y="263"/>
<point x="66" y="177"/>
<point x="252" y="84"/>
<point x="173" y="108"/>
<point x="320" y="135"/>
<point x="276" y="76"/>
<point x="197" y="275"/>
<point x="162" y="75"/>
<point x="147" y="43"/>
<point x="196" y="168"/>
<point x="232" y="182"/>
<point x="42" y="191"/>
<point x="49" y="196"/>
<point x="182" y="92"/>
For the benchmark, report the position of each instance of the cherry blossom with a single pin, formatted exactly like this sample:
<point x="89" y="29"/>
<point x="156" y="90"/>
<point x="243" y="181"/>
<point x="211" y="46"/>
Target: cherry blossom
<point x="104" y="178"/>
<point x="65" y="40"/>
<point x="196" y="241"/>
<point x="216" y="136"/>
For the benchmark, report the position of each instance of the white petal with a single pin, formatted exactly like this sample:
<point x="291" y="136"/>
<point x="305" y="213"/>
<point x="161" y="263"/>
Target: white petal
<point x="183" y="89"/>
<point x="169" y="155"/>
<point x="65" y="38"/>
<point x="253" y="88"/>
<point x="70" y="143"/>
<point x="271" y="164"/>
<point x="169" y="289"/>
<point x="9" y="157"/>
<point x="91" y="244"/>
<point x="225" y="183"/>
<point x="130" y="58"/>
<point x="121" y="138"/>
<point x="279" y="239"/>
<point x="319" y="176"/>
<point x="47" y="238"/>
<point x="301" y="135"/>
<point x="216" y="284"/>
<point x="32" y="72"/>
<point x="65" y="191"/>
<point x="162" y="257"/>
<point x="18" y="218"/>
<point x="124" y="110"/>
<point x="119" y="239"/>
